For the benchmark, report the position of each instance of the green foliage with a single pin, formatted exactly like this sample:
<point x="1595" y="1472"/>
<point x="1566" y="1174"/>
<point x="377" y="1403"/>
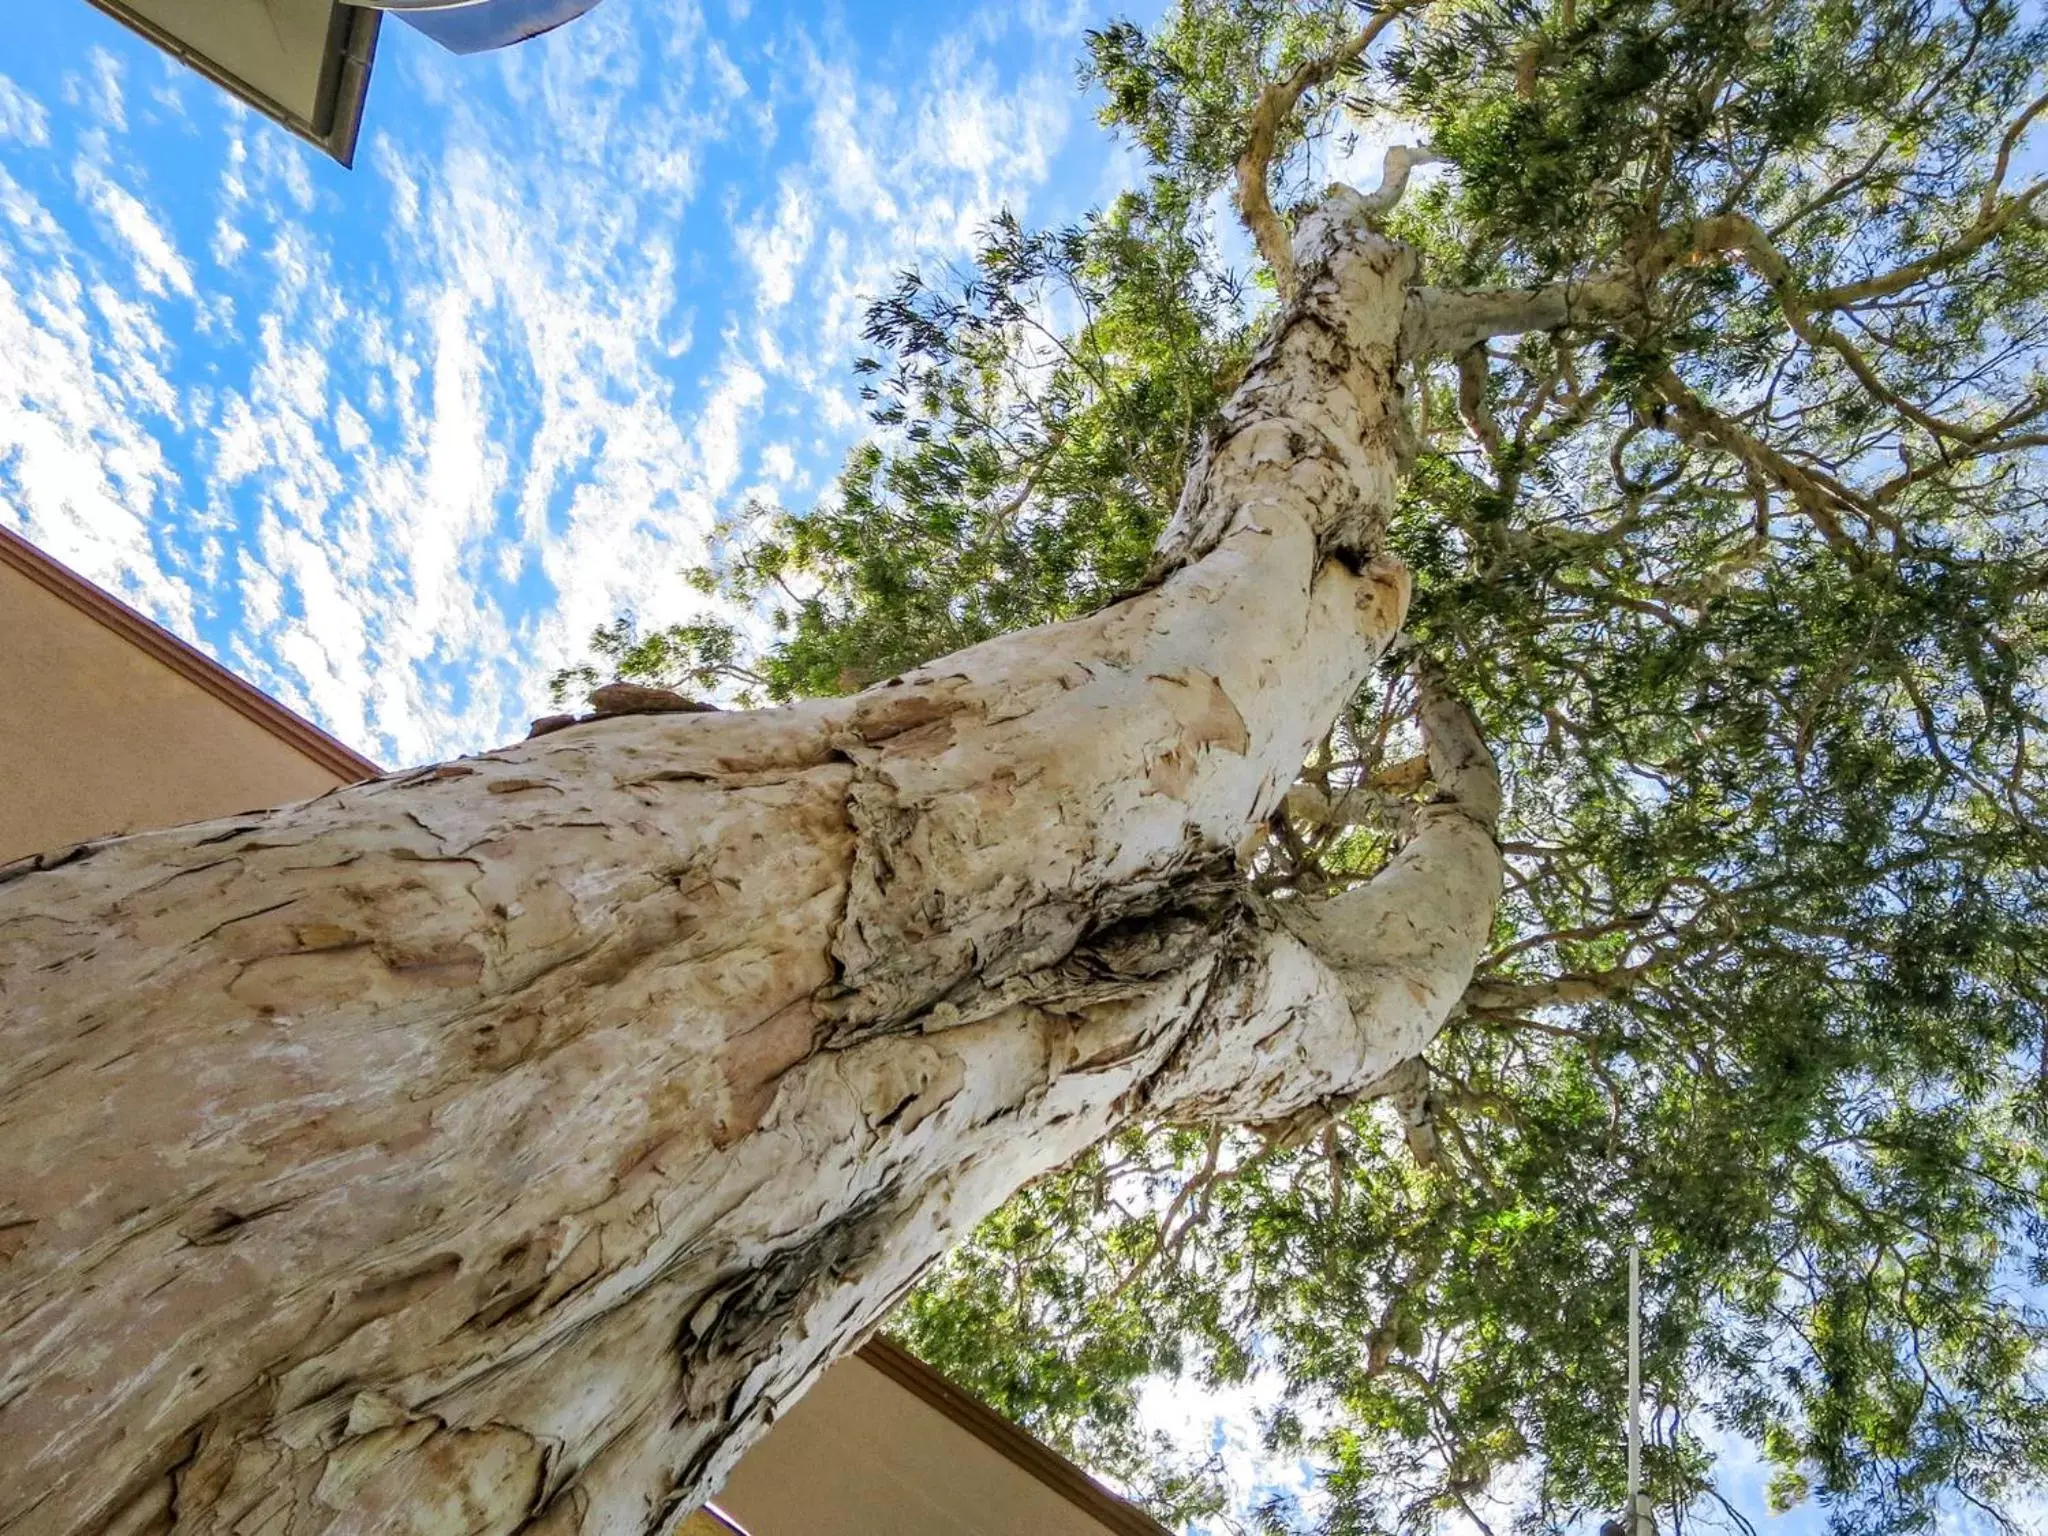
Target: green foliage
<point x="1183" y="93"/>
<point x="1750" y="601"/>
<point x="1034" y="417"/>
<point x="705" y="656"/>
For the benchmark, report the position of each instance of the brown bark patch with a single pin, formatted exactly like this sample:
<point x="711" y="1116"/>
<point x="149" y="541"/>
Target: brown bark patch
<point x="754" y="1060"/>
<point x="638" y="699"/>
<point x="219" y="1224"/>
<point x="910" y="1086"/>
<point x="380" y="1298"/>
<point x="313" y="936"/>
<point x="499" y="1044"/>
<point x="14" y="1236"/>
<point x="1382" y="597"/>
<point x="514" y="785"/>
<point x="1208" y="718"/>
<point x="419" y="1479"/>
<point x="280" y="983"/>
<point x="888" y="716"/>
<point x="999" y="792"/>
<point x="1171" y="773"/>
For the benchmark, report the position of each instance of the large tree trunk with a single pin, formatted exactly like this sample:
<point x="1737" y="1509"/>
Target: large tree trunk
<point x="497" y="1148"/>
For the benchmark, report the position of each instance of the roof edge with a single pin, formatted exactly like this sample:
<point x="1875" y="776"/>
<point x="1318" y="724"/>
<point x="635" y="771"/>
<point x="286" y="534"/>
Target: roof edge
<point x="344" y="77"/>
<point x="188" y="661"/>
<point x="1114" y="1513"/>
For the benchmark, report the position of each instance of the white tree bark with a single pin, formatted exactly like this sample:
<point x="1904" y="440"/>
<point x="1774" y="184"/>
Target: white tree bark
<point x="498" y="1147"/>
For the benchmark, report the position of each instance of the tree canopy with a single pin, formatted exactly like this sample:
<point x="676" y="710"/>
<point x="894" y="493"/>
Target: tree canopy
<point x="1740" y="558"/>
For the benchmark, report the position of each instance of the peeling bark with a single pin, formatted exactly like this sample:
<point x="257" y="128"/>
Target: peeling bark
<point x="497" y="1148"/>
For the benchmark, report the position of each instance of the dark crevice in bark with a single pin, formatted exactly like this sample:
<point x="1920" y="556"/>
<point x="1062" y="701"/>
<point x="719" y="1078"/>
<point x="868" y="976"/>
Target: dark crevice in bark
<point x="744" y="1322"/>
<point x="1235" y="939"/>
<point x="220" y="1224"/>
<point x="39" y="863"/>
<point x="1058" y="955"/>
<point x="737" y="1320"/>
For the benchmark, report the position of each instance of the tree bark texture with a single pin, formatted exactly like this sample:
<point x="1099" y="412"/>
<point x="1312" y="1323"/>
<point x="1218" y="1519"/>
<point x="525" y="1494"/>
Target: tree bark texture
<point x="498" y="1147"/>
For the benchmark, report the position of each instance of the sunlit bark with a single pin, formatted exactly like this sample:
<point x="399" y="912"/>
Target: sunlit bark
<point x="498" y="1147"/>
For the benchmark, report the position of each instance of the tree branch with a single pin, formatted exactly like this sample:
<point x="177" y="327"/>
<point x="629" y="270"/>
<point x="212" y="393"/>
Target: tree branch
<point x="1367" y="978"/>
<point x="1818" y="495"/>
<point x="1447" y="321"/>
<point x="1472" y="406"/>
<point x="1276" y="103"/>
<point x="1806" y="312"/>
<point x="1315" y="806"/>
<point x="1399" y="160"/>
<point x="1467" y="779"/>
<point x="1450" y="321"/>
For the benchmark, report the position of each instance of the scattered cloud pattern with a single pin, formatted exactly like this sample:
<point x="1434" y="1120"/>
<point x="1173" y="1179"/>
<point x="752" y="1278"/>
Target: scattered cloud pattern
<point x="391" y="442"/>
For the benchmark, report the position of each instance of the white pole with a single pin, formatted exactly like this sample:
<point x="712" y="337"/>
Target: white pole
<point x="1635" y="1434"/>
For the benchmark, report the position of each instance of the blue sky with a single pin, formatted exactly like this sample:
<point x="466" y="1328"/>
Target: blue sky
<point x="391" y="441"/>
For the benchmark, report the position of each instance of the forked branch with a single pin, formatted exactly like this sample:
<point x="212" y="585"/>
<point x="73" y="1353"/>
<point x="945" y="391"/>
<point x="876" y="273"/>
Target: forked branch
<point x="1437" y="895"/>
<point x="1447" y="321"/>
<point x="1269" y="116"/>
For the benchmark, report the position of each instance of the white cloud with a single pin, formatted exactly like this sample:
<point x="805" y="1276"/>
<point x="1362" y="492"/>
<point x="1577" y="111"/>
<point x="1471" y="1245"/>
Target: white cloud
<point x="777" y="249"/>
<point x="105" y="91"/>
<point x="100" y="92"/>
<point x="158" y="264"/>
<point x="497" y="413"/>
<point x="721" y="427"/>
<point x="434" y="442"/>
<point x="227" y="244"/>
<point x="971" y="125"/>
<point x="23" y="119"/>
<point x="847" y="118"/>
<point x="83" y="472"/>
<point x="727" y="78"/>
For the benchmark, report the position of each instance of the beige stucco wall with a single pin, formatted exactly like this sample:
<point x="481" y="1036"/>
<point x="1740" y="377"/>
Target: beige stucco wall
<point x="98" y="736"/>
<point x="860" y="1456"/>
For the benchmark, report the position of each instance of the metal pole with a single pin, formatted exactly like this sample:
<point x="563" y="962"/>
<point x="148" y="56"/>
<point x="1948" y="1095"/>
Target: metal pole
<point x="1635" y="1434"/>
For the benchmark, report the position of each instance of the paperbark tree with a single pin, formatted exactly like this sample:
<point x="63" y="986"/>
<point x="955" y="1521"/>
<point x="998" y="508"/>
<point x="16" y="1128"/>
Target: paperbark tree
<point x="498" y="1147"/>
<point x="1739" y="559"/>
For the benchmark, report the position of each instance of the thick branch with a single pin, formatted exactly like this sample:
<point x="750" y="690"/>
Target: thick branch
<point x="1472" y="406"/>
<point x="1820" y="496"/>
<point x="1395" y="166"/>
<point x="1368" y="977"/>
<point x="1355" y="805"/>
<point x="1806" y="313"/>
<point x="1445" y="322"/>
<point x="1467" y="779"/>
<point x="1269" y="116"/>
<point x="1993" y="223"/>
<point x="1403" y="946"/>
